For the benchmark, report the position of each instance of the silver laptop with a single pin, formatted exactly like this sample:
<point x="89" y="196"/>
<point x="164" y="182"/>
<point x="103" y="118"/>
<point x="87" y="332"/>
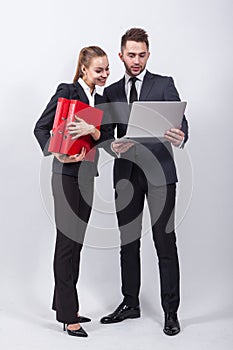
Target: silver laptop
<point x="153" y="118"/>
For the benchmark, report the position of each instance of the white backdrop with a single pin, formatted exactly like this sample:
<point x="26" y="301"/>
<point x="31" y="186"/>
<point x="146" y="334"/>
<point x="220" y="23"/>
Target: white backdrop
<point x="190" y="41"/>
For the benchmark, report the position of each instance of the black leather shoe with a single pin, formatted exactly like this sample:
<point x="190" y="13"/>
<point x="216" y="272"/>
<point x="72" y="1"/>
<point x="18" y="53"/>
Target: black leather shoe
<point x="171" y="324"/>
<point x="76" y="333"/>
<point x="121" y="313"/>
<point x="83" y="319"/>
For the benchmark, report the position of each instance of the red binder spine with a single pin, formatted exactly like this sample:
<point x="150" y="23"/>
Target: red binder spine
<point x="59" y="125"/>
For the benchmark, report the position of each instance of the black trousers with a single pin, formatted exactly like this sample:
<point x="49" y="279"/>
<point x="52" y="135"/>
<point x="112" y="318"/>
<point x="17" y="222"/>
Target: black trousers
<point x="72" y="204"/>
<point x="129" y="206"/>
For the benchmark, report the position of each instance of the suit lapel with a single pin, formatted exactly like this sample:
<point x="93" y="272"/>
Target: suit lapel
<point x="147" y="85"/>
<point x="125" y="109"/>
<point x="121" y="96"/>
<point x="98" y="99"/>
<point x="80" y="94"/>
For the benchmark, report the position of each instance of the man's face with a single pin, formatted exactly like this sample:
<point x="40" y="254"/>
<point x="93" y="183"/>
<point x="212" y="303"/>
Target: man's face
<point x="134" y="57"/>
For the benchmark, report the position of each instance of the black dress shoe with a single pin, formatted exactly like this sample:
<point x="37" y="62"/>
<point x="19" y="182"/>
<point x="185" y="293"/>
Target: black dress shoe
<point x="83" y="319"/>
<point x="171" y="324"/>
<point x="76" y="333"/>
<point x="121" y="313"/>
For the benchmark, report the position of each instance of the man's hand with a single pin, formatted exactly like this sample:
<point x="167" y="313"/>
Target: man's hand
<point x="175" y="136"/>
<point x="121" y="147"/>
<point x="71" y="159"/>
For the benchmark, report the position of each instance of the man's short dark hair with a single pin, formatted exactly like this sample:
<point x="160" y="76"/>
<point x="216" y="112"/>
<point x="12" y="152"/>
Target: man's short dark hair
<point x="134" y="34"/>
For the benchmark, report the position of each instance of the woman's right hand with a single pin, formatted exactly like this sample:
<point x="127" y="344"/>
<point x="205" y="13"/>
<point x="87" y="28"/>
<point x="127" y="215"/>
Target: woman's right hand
<point x="71" y="159"/>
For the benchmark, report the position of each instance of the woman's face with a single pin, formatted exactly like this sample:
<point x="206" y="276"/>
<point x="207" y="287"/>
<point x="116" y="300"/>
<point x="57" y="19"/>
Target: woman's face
<point x="97" y="73"/>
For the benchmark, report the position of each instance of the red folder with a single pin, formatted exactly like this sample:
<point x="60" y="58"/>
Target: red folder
<point x="92" y="116"/>
<point x="59" y="125"/>
<point x="62" y="140"/>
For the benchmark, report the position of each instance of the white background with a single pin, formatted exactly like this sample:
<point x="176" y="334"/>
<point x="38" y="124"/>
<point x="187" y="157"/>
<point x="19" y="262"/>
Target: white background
<point x="190" y="41"/>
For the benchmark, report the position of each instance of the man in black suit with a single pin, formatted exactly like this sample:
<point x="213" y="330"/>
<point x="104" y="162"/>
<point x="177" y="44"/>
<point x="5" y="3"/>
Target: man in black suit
<point x="145" y="169"/>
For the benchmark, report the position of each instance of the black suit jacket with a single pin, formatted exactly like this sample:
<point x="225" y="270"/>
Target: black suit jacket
<point x="160" y="168"/>
<point x="45" y="123"/>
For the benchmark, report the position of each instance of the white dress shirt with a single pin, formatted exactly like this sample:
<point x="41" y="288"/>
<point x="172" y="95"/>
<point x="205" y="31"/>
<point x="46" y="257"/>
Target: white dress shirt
<point x="87" y="90"/>
<point x="138" y="83"/>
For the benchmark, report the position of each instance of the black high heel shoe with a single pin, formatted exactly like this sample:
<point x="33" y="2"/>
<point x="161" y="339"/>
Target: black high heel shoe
<point x="77" y="333"/>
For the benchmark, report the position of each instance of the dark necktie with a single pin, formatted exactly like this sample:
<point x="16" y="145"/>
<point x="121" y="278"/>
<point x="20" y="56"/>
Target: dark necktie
<point x="133" y="96"/>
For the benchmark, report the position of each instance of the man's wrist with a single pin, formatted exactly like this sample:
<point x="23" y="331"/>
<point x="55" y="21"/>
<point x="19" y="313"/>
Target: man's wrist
<point x="181" y="145"/>
<point x="112" y="149"/>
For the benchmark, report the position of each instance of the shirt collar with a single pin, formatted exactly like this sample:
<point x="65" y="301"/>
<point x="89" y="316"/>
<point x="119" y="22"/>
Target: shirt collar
<point x="139" y="76"/>
<point x="85" y="86"/>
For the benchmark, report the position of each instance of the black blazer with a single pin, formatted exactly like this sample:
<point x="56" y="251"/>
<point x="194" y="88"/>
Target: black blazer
<point x="45" y="123"/>
<point x="154" y="88"/>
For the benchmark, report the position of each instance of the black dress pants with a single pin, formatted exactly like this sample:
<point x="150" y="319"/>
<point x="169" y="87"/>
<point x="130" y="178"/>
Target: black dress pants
<point x="72" y="204"/>
<point x="129" y="206"/>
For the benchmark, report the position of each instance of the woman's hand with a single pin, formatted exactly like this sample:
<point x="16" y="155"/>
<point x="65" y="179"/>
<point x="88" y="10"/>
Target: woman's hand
<point x="71" y="159"/>
<point x="81" y="128"/>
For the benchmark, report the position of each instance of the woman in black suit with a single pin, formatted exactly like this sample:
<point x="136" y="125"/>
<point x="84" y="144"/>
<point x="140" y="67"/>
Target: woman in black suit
<point x="73" y="184"/>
